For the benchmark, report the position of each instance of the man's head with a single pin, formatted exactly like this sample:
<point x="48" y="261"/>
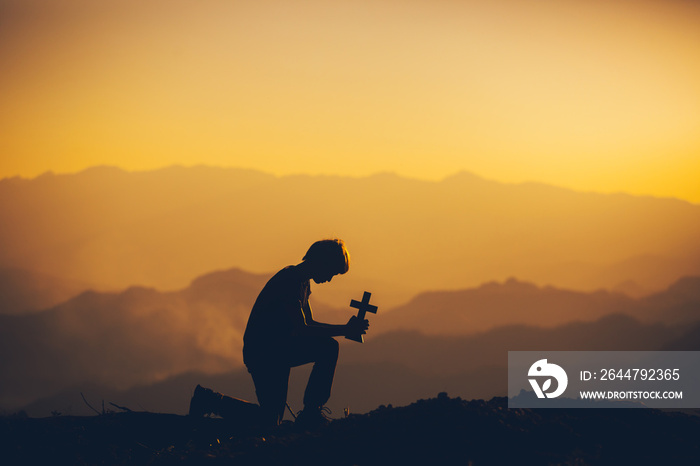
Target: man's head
<point x="327" y="258"/>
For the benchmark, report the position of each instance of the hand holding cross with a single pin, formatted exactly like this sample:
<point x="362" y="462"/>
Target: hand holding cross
<point x="363" y="307"/>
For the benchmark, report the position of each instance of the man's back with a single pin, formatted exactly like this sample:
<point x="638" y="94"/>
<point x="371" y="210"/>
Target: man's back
<point x="277" y="312"/>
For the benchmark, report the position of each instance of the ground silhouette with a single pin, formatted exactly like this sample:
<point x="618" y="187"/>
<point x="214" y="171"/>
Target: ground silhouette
<point x="439" y="430"/>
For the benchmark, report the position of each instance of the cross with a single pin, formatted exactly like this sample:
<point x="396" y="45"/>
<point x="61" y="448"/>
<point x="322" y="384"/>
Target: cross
<point x="363" y="307"/>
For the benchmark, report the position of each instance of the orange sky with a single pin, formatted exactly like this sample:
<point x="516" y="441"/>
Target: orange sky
<point x="587" y="94"/>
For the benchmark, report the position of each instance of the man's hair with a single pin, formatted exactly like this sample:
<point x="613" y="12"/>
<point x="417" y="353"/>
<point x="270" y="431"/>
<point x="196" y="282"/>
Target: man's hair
<point x="329" y="251"/>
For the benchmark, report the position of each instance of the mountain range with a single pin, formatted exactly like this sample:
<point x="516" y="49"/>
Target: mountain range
<point x="23" y="291"/>
<point x="141" y="337"/>
<point x="113" y="229"/>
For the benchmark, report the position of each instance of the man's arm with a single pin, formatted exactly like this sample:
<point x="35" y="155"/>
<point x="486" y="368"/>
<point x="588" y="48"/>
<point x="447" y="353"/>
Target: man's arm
<point x="354" y="326"/>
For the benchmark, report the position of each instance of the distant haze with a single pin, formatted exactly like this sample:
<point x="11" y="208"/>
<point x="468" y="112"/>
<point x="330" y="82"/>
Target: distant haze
<point x="114" y="229"/>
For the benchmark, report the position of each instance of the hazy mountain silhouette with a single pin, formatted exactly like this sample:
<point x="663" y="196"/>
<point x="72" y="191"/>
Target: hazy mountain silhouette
<point x="680" y="303"/>
<point x="162" y="227"/>
<point x="135" y="336"/>
<point x="689" y="341"/>
<point x="24" y="291"/>
<point x="141" y="336"/>
<point x="495" y="304"/>
<point x="450" y="354"/>
<point x="396" y="367"/>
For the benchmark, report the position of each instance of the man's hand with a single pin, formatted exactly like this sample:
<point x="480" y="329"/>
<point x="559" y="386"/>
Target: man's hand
<point x="356" y="327"/>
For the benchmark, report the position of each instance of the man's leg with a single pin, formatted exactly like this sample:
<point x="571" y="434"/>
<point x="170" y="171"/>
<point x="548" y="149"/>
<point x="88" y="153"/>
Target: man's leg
<point x="271" y="384"/>
<point x="205" y="401"/>
<point x="241" y="411"/>
<point x="323" y="352"/>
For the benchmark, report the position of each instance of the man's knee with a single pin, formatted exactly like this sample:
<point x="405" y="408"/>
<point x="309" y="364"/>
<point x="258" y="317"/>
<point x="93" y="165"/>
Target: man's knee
<point x="332" y="348"/>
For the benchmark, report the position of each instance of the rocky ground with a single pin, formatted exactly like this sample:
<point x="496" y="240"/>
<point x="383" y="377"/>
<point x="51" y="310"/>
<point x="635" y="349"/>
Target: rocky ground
<point x="440" y="430"/>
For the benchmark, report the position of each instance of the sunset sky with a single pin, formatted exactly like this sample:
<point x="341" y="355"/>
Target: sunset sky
<point x="588" y="94"/>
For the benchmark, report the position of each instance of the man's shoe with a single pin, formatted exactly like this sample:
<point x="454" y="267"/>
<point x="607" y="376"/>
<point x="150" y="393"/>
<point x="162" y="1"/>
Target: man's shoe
<point x="313" y="418"/>
<point x="202" y="402"/>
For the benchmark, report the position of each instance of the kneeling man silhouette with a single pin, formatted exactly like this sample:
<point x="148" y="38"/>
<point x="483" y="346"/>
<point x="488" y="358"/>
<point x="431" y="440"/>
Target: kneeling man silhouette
<point x="281" y="334"/>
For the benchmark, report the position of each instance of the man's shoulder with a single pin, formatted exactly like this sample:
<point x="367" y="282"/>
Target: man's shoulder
<point x="290" y="276"/>
<point x="289" y="271"/>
